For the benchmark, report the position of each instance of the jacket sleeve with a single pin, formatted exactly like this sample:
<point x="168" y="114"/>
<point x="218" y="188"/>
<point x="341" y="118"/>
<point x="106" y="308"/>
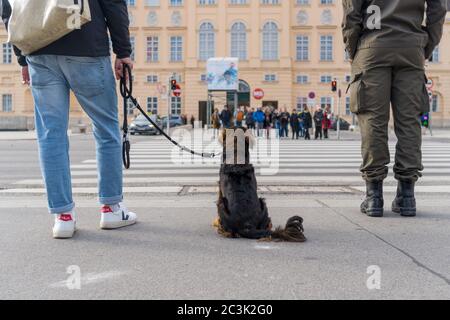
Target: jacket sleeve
<point x="116" y="15"/>
<point x="352" y="25"/>
<point x="436" y="12"/>
<point x="6" y="13"/>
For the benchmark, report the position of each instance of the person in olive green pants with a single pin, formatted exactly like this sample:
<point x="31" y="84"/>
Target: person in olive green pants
<point x="387" y="46"/>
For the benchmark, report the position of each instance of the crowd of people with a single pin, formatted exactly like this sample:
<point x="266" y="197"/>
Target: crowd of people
<point x="294" y="124"/>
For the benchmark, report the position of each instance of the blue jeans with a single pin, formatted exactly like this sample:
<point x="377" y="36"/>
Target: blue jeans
<point x="92" y="81"/>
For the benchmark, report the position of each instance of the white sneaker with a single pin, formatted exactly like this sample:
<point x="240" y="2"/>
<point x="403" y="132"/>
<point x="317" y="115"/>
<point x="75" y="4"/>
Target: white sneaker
<point x="65" y="225"/>
<point x="116" y="216"/>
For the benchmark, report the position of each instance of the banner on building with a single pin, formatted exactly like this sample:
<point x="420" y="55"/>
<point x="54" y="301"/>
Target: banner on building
<point x="222" y="74"/>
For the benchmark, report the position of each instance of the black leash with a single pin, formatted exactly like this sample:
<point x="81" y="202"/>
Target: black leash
<point x="126" y="90"/>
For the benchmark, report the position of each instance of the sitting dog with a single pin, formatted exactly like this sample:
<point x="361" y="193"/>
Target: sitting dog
<point x="241" y="212"/>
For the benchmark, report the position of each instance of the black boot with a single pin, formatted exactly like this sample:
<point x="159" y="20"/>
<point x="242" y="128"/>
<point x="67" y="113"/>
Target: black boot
<point x="405" y="202"/>
<point x="374" y="203"/>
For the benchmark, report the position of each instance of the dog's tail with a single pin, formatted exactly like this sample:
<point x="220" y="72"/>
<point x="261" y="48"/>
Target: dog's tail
<point x="293" y="232"/>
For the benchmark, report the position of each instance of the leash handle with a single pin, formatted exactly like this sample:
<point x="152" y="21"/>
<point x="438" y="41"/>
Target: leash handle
<point x="126" y="90"/>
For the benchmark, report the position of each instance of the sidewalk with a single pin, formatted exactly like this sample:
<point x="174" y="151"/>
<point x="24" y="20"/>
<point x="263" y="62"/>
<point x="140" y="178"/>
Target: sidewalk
<point x="21" y="135"/>
<point x="174" y="253"/>
<point x="17" y="135"/>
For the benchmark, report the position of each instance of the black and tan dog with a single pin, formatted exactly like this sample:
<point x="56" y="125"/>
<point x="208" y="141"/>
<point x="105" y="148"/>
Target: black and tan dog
<point x="241" y="212"/>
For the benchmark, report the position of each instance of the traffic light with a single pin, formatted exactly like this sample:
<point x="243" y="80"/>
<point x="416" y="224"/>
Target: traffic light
<point x="173" y="84"/>
<point x="334" y="85"/>
<point x="424" y="119"/>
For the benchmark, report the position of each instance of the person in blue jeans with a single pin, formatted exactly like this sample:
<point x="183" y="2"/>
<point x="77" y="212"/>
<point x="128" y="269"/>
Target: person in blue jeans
<point x="80" y="62"/>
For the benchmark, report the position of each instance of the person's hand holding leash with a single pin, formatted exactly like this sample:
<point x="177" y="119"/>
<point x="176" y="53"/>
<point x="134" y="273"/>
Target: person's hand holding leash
<point x="25" y="75"/>
<point x="118" y="67"/>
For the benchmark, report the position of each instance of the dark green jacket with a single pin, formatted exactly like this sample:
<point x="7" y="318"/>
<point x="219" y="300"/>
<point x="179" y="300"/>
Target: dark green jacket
<point x="401" y="25"/>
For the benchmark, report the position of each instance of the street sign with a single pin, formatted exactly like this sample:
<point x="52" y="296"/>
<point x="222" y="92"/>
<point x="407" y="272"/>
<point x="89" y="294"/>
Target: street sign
<point x="177" y="91"/>
<point x="258" y="93"/>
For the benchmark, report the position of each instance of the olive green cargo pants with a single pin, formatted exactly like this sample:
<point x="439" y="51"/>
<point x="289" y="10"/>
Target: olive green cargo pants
<point x="382" y="77"/>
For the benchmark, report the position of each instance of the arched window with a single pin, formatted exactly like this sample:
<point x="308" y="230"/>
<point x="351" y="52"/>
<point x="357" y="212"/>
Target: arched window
<point x="239" y="41"/>
<point x="206" y="41"/>
<point x="270" y="41"/>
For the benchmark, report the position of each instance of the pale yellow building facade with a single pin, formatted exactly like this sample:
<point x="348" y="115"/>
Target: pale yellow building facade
<point x="287" y="48"/>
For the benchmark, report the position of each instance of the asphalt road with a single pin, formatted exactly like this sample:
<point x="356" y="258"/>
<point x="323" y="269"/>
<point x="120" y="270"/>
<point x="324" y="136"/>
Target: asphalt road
<point x="174" y="253"/>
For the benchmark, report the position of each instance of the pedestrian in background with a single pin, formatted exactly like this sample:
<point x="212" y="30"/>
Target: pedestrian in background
<point x="284" y="123"/>
<point x="249" y="120"/>
<point x="215" y="119"/>
<point x="259" y="117"/>
<point x="240" y="116"/>
<point x="326" y="122"/>
<point x="276" y="122"/>
<point x="318" y="117"/>
<point x="307" y="122"/>
<point x="80" y="62"/>
<point x="294" y="121"/>
<point x="301" y="124"/>
<point x="225" y="117"/>
<point x="388" y="70"/>
<point x="268" y="121"/>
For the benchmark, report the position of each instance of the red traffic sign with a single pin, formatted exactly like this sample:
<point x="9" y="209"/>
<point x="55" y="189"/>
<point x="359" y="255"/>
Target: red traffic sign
<point x="258" y="93"/>
<point x="312" y="95"/>
<point x="177" y="91"/>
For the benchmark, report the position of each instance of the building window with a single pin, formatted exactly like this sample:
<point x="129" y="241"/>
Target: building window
<point x="325" y="79"/>
<point x="270" y="77"/>
<point x="175" y="105"/>
<point x="302" y="2"/>
<point x="270" y="1"/>
<point x="152" y="3"/>
<point x="326" y="48"/>
<point x="133" y="47"/>
<point x="326" y="1"/>
<point x="152" y="49"/>
<point x="152" y="105"/>
<point x="270" y="41"/>
<point x="435" y="56"/>
<point x="302" y="79"/>
<point x="203" y="77"/>
<point x="239" y="41"/>
<point x="176" y="3"/>
<point x="302" y="103"/>
<point x="302" y="48"/>
<point x="435" y="103"/>
<point x="7" y="53"/>
<point x="347" y="106"/>
<point x="176" y="48"/>
<point x="238" y="1"/>
<point x="206" y="2"/>
<point x="206" y="41"/>
<point x="326" y="102"/>
<point x="131" y="2"/>
<point x="7" y="103"/>
<point x="177" y="77"/>
<point x="152" y="78"/>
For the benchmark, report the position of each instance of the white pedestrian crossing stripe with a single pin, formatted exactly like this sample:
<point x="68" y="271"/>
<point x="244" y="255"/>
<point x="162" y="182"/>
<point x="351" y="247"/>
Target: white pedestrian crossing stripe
<point x="300" y="164"/>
